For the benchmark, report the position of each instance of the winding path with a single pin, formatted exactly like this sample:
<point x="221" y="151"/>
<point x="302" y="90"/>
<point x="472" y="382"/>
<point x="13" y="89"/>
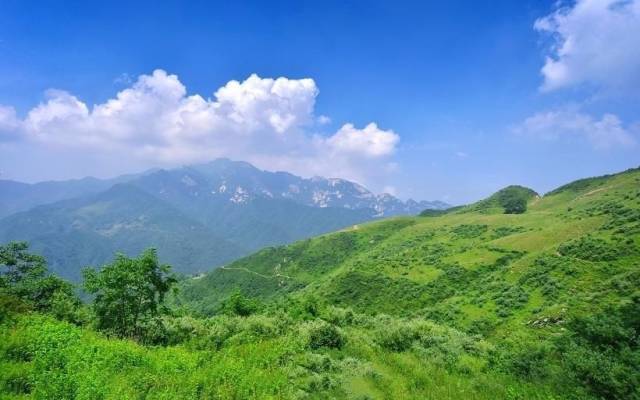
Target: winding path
<point x="276" y="275"/>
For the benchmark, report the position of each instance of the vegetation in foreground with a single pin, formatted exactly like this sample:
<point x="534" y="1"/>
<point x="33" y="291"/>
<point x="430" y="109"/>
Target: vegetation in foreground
<point x="494" y="300"/>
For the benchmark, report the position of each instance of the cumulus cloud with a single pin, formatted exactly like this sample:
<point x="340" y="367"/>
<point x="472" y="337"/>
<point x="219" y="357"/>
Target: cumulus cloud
<point x="604" y="133"/>
<point x="368" y="142"/>
<point x="594" y="42"/>
<point x="8" y="123"/>
<point x="266" y="121"/>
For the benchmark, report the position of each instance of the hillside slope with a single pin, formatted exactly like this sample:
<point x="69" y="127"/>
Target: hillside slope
<point x="553" y="289"/>
<point x="447" y="264"/>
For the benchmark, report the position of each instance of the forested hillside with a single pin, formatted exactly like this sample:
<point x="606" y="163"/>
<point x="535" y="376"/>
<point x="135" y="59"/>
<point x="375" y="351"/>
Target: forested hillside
<point x="515" y="297"/>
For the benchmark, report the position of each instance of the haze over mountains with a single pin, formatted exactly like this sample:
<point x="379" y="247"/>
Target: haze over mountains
<point x="198" y="216"/>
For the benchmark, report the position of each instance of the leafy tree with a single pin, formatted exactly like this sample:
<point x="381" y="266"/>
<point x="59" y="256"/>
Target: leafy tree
<point x="129" y="293"/>
<point x="515" y="205"/>
<point x="24" y="277"/>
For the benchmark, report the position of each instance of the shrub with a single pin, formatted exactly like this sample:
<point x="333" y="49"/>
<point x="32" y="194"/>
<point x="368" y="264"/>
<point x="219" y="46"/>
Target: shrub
<point x="323" y="334"/>
<point x="603" y="353"/>
<point x="469" y="231"/>
<point x="524" y="359"/>
<point x="238" y="304"/>
<point x="503" y="231"/>
<point x="16" y="380"/>
<point x="509" y="298"/>
<point x="396" y="337"/>
<point x="339" y="316"/>
<point x="595" y="249"/>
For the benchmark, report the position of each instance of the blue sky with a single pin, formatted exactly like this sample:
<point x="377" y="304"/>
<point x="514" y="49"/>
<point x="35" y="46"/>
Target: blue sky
<point x="465" y="97"/>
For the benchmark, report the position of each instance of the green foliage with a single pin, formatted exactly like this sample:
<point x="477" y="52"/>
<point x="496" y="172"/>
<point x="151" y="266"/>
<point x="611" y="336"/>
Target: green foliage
<point x="467" y="231"/>
<point x="320" y="334"/>
<point x="397" y="337"/>
<point x="129" y="294"/>
<point x="596" y="249"/>
<point x="514" y="199"/>
<point x="25" y="283"/>
<point x="237" y="304"/>
<point x="528" y="360"/>
<point x="514" y="205"/>
<point x="603" y="351"/>
<point x="507" y="230"/>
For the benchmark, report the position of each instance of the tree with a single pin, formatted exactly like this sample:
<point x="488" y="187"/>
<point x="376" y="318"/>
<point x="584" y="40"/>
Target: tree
<point x="515" y="205"/>
<point x="20" y="268"/>
<point x="24" y="276"/>
<point x="129" y="293"/>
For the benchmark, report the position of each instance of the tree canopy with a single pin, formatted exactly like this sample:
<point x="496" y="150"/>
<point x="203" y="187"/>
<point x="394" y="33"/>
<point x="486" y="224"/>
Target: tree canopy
<point x="129" y="293"/>
<point x="25" y="278"/>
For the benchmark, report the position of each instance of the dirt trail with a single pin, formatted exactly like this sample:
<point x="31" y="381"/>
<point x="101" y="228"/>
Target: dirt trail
<point x="276" y="275"/>
<point x="594" y="191"/>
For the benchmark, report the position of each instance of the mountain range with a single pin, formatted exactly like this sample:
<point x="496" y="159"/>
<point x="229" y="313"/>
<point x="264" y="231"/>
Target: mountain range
<point x="197" y="216"/>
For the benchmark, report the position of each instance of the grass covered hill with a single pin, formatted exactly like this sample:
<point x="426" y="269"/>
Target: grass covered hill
<point x="443" y="263"/>
<point x="478" y="303"/>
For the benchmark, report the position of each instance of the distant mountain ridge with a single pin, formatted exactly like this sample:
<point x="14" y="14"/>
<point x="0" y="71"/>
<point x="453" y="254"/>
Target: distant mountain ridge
<point x="19" y="196"/>
<point x="235" y="181"/>
<point x="198" y="217"/>
<point x="240" y="182"/>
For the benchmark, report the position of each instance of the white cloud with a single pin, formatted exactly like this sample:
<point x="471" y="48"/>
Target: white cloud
<point x="369" y="142"/>
<point x="9" y="123"/>
<point x="155" y="121"/>
<point x="595" y="42"/>
<point x="603" y="133"/>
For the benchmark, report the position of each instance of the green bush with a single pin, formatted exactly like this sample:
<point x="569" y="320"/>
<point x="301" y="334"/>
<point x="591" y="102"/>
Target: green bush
<point x="320" y="334"/>
<point x="339" y="316"/>
<point x="16" y="379"/>
<point x="238" y="304"/>
<point x="591" y="248"/>
<point x="469" y="231"/>
<point x="396" y="336"/>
